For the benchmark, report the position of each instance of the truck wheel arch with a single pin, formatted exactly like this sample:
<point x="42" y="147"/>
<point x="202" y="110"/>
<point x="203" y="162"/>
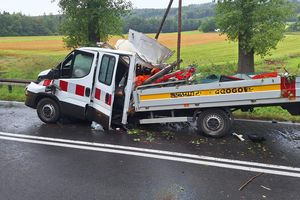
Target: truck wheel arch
<point x="199" y="111"/>
<point x="223" y="115"/>
<point x="45" y="95"/>
<point x="48" y="110"/>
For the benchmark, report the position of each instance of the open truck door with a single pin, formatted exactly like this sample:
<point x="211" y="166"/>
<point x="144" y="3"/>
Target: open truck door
<point x="75" y="82"/>
<point x="104" y="89"/>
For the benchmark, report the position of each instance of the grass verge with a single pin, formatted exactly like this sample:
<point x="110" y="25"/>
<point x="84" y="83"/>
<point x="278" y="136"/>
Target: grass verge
<point x="17" y="93"/>
<point x="274" y="113"/>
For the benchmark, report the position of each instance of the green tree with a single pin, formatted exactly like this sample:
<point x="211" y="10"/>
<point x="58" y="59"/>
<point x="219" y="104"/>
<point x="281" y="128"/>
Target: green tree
<point x="90" y="21"/>
<point x="257" y="25"/>
<point x="208" y="25"/>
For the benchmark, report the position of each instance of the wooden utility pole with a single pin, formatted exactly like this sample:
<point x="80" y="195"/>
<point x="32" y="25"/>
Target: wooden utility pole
<point x="179" y="33"/>
<point x="164" y="19"/>
<point x="179" y="27"/>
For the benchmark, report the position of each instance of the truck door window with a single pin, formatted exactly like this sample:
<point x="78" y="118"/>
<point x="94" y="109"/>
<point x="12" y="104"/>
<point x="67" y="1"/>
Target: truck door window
<point x="82" y="64"/>
<point x="66" y="66"/>
<point x="78" y="64"/>
<point x="106" y="69"/>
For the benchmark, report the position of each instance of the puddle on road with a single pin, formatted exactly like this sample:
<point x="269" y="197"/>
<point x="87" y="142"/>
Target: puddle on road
<point x="287" y="137"/>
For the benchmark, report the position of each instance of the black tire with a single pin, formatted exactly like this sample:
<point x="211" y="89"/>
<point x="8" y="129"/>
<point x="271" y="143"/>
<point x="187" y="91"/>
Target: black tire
<point x="214" y="122"/>
<point x="48" y="110"/>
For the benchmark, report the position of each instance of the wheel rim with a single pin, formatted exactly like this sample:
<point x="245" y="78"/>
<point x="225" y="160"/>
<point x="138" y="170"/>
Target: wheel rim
<point x="214" y="122"/>
<point x="48" y="111"/>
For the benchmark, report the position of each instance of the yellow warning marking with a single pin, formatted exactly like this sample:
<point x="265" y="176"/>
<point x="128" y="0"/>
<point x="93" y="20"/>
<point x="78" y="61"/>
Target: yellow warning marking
<point x="213" y="92"/>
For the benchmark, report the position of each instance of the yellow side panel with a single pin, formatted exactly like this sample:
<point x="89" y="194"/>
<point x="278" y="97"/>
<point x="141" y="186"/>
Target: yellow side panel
<point x="221" y="91"/>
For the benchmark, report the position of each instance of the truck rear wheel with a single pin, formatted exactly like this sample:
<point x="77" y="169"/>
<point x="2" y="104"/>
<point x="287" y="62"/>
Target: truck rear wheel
<point x="48" y="110"/>
<point x="214" y="122"/>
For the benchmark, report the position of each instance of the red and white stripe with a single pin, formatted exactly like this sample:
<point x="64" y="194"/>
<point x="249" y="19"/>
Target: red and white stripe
<point x="103" y="96"/>
<point x="79" y="90"/>
<point x="71" y="87"/>
<point x="46" y="82"/>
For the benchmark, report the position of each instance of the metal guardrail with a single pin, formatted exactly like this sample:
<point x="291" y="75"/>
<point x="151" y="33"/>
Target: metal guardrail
<point x="5" y="81"/>
<point x="13" y="82"/>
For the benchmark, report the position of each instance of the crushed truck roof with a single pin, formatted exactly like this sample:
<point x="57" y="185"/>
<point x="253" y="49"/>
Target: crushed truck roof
<point x="150" y="52"/>
<point x="98" y="49"/>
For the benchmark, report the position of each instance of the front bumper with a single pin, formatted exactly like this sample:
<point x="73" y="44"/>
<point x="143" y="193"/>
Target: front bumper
<point x="32" y="92"/>
<point x="30" y="99"/>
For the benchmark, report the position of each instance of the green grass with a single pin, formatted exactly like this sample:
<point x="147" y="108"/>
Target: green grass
<point x="211" y="58"/>
<point x="30" y="53"/>
<point x="268" y="113"/>
<point x="224" y="52"/>
<point x="30" y="38"/>
<point x="26" y="66"/>
<point x="17" y="93"/>
<point x="23" y="67"/>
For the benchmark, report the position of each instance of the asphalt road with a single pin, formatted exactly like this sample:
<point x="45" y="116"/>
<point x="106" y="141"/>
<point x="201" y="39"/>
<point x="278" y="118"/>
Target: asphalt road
<point x="71" y="161"/>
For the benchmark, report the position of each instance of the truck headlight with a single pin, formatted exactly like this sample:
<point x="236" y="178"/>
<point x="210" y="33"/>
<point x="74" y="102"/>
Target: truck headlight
<point x="26" y="91"/>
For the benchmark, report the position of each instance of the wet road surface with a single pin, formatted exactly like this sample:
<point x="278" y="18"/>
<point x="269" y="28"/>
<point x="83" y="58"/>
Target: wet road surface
<point x="62" y="161"/>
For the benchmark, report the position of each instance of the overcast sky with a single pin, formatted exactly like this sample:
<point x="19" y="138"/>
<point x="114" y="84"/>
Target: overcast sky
<point x="38" y="7"/>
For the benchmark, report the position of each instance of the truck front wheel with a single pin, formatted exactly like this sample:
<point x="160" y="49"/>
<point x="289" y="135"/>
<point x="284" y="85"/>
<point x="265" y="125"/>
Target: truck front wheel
<point x="214" y="122"/>
<point x="48" y="110"/>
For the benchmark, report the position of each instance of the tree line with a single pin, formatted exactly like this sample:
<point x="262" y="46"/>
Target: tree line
<point x="17" y="24"/>
<point x="148" y="20"/>
<point x="194" y="17"/>
<point x="144" y="20"/>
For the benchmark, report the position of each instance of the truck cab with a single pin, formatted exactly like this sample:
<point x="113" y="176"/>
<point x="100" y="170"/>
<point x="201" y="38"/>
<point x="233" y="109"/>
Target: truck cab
<point x="84" y="86"/>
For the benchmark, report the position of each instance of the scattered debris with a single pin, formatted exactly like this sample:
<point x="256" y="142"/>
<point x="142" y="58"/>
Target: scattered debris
<point x="149" y="137"/>
<point x="256" y="138"/>
<point x="168" y="135"/>
<point x="176" y="126"/>
<point x="181" y="188"/>
<point x="97" y="127"/>
<point x="286" y="135"/>
<point x="295" y="135"/>
<point x="249" y="181"/>
<point x="133" y="132"/>
<point x="239" y="136"/>
<point x="199" y="141"/>
<point x="136" y="139"/>
<point x="265" y="187"/>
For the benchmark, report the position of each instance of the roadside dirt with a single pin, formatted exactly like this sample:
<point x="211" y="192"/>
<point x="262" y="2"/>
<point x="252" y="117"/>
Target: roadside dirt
<point x="170" y="40"/>
<point x="51" y="45"/>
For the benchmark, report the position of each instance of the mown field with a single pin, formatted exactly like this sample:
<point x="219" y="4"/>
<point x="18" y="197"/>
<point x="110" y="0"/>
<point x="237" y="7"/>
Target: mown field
<point x="25" y="57"/>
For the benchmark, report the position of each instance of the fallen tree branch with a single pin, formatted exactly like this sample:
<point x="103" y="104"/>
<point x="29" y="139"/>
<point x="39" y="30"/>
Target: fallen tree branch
<point x="249" y="181"/>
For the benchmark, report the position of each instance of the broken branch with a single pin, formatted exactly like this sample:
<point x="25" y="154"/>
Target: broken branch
<point x="249" y="181"/>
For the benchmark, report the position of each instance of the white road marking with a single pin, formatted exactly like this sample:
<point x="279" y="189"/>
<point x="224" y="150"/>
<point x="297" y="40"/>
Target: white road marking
<point x="169" y="153"/>
<point x="266" y="121"/>
<point x="150" y="155"/>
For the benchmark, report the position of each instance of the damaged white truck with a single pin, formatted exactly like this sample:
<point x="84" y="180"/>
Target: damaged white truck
<point x="103" y="85"/>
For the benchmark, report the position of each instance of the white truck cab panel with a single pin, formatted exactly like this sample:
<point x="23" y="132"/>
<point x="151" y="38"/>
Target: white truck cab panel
<point x="84" y="85"/>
